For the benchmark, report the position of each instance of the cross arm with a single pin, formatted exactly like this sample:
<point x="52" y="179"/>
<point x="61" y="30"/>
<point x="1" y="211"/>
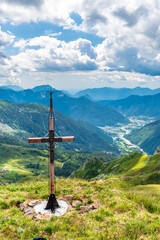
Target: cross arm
<point x="38" y="140"/>
<point x="64" y="139"/>
<point x="56" y="139"/>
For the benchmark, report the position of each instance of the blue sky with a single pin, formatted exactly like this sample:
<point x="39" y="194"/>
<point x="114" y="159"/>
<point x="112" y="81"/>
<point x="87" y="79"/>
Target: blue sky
<point x="78" y="44"/>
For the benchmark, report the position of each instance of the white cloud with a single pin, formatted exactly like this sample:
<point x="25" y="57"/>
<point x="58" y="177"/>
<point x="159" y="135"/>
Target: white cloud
<point x="131" y="32"/>
<point x="5" y="38"/>
<point x="54" y="34"/>
<point x="54" y="55"/>
<point x="36" y="3"/>
<point x="56" y="12"/>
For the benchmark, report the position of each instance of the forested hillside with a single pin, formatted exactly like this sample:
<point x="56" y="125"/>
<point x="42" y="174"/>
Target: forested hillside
<point x="21" y="160"/>
<point x="148" y="137"/>
<point x="31" y="120"/>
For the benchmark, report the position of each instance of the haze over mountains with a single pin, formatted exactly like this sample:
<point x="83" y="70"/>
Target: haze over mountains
<point x="108" y="93"/>
<point x="137" y="105"/>
<point x="76" y="108"/>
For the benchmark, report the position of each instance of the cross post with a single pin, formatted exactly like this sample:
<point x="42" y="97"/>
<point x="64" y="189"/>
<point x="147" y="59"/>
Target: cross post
<point x="51" y="139"/>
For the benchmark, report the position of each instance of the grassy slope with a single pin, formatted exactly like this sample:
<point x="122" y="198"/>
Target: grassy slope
<point x="22" y="162"/>
<point x="126" y="209"/>
<point x="123" y="213"/>
<point x="138" y="168"/>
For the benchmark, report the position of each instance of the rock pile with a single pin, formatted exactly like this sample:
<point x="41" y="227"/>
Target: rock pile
<point x="36" y="209"/>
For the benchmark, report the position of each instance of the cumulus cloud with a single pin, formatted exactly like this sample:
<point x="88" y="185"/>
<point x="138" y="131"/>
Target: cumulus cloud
<point x="55" y="55"/>
<point x="36" y="3"/>
<point x="6" y="38"/>
<point x="131" y="18"/>
<point x="131" y="32"/>
<point x="92" y="20"/>
<point x="23" y="11"/>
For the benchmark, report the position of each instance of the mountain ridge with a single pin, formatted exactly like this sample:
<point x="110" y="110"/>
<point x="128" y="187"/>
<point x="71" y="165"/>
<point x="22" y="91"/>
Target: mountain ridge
<point x="108" y="93"/>
<point x="76" y="108"/>
<point x="136" y="168"/>
<point x="137" y="105"/>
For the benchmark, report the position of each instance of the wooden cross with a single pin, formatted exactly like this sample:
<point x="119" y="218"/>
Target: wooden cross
<point x="51" y="139"/>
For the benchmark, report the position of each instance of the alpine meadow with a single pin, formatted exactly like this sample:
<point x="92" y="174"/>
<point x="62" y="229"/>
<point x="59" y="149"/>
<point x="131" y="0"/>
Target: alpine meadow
<point x="79" y="120"/>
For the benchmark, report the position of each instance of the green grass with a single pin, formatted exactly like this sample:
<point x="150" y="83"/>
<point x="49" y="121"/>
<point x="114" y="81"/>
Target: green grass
<point x="136" y="168"/>
<point x="123" y="213"/>
<point x="141" y="162"/>
<point x="127" y="199"/>
<point x="22" y="162"/>
<point x="148" y="195"/>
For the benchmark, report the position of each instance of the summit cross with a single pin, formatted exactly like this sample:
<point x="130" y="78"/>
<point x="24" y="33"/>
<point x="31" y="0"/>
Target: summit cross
<point x="51" y="139"/>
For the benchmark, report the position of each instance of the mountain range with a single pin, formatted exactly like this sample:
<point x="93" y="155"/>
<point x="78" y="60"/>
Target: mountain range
<point x="31" y="120"/>
<point x="76" y="108"/>
<point x="108" y="93"/>
<point x="87" y="111"/>
<point x="137" y="105"/>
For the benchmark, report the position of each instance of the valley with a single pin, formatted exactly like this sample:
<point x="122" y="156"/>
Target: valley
<point x="23" y="161"/>
<point x="119" y="132"/>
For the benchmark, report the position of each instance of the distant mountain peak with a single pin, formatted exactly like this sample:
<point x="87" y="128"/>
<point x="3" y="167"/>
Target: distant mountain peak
<point x="39" y="88"/>
<point x="108" y="93"/>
